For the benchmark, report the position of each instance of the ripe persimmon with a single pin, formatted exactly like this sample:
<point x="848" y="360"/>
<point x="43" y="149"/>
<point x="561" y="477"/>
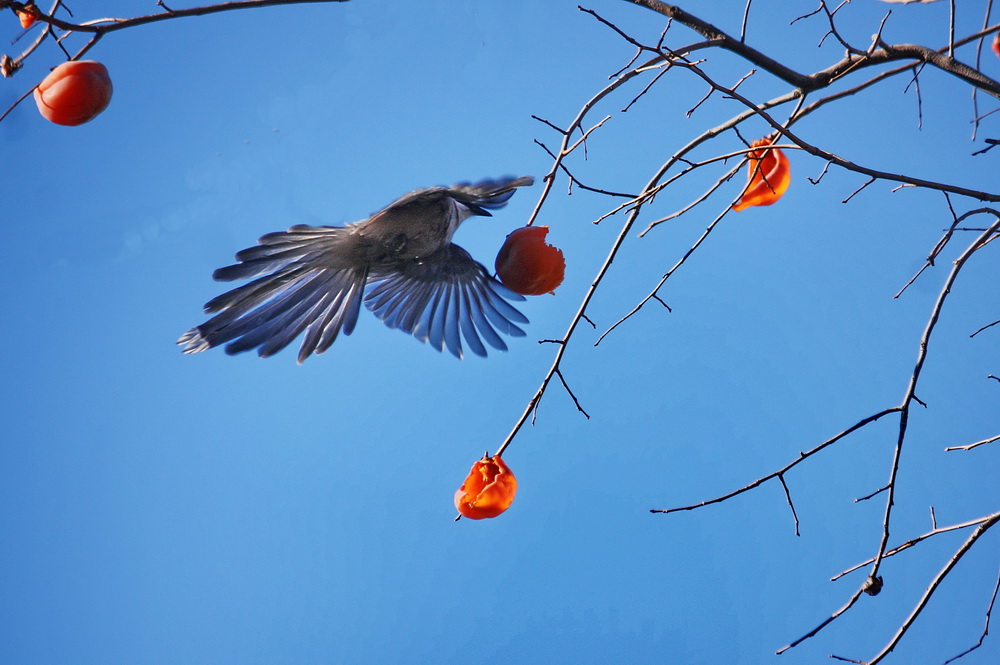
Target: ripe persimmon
<point x="527" y="265"/>
<point x="73" y="93"/>
<point x="768" y="176"/>
<point x="488" y="490"/>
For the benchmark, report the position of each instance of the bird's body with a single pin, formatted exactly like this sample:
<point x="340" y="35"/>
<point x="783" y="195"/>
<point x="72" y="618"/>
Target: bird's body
<point x="400" y="262"/>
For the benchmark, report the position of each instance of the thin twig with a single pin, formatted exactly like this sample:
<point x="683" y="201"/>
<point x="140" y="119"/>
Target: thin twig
<point x="873" y="494"/>
<point x="571" y="394"/>
<point x="783" y="470"/>
<point x="914" y="378"/>
<point x="788" y="498"/>
<point x="974" y="445"/>
<point x="875" y="56"/>
<point x="986" y="628"/>
<point x="935" y="531"/>
<point x="922" y="603"/>
<point x="823" y="624"/>
<point x="988" y="325"/>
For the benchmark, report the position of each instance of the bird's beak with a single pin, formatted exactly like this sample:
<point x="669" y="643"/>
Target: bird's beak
<point x="478" y="210"/>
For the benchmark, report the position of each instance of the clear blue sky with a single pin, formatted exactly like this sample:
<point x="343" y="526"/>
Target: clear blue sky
<point x="207" y="509"/>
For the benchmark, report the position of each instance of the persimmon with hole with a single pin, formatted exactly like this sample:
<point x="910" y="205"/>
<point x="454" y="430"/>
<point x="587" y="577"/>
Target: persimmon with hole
<point x="527" y="265"/>
<point x="27" y="15"/>
<point x="73" y="93"/>
<point x="768" y="176"/>
<point x="488" y="490"/>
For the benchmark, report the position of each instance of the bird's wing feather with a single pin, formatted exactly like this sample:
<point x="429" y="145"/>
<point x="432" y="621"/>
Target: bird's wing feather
<point x="444" y="299"/>
<point x="310" y="281"/>
<point x="300" y="286"/>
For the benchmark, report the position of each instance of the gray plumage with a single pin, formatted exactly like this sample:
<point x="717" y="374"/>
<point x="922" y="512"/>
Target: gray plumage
<point x="400" y="262"/>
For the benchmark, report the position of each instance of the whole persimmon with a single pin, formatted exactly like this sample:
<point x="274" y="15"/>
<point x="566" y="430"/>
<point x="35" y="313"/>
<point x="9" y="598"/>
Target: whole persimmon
<point x="73" y="93"/>
<point x="527" y="265"/>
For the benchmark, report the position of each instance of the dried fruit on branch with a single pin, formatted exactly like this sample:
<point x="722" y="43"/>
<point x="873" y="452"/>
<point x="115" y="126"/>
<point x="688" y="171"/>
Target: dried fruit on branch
<point x="73" y="93"/>
<point x="527" y="265"/>
<point x="768" y="174"/>
<point x="27" y="15"/>
<point x="488" y="490"/>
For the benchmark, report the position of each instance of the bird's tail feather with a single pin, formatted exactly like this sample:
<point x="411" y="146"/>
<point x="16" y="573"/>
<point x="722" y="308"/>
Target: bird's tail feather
<point x="491" y="194"/>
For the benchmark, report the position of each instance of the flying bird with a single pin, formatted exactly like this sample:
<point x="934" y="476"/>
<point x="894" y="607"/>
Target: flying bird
<point x="400" y="262"/>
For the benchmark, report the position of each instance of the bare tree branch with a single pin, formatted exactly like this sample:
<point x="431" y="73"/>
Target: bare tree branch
<point x="783" y="470"/>
<point x="922" y="603"/>
<point x="808" y="83"/>
<point x="935" y="531"/>
<point x="976" y="444"/>
<point x="986" y="628"/>
<point x="904" y="407"/>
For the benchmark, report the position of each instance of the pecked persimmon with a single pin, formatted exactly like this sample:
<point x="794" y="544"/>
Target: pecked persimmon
<point x="527" y="265"/>
<point x="488" y="490"/>
<point x="996" y="44"/>
<point x="768" y="176"/>
<point x="73" y="93"/>
<point x="27" y="15"/>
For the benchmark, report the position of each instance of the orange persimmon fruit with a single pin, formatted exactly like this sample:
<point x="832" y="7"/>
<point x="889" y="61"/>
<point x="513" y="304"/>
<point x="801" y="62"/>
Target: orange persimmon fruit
<point x="73" y="93"/>
<point x="27" y="15"/>
<point x="996" y="44"/>
<point x="527" y="265"/>
<point x="488" y="490"/>
<point x="768" y="176"/>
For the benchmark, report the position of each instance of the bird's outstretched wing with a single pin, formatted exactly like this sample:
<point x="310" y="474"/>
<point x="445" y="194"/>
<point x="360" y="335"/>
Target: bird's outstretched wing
<point x="299" y="287"/>
<point x="445" y="298"/>
<point x="311" y="280"/>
